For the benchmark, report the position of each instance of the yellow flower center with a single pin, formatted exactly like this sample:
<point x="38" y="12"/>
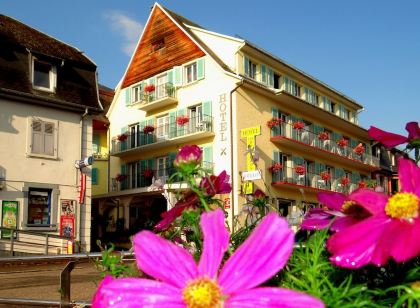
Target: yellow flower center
<point x="403" y="206"/>
<point x="202" y="293"/>
<point x="347" y="205"/>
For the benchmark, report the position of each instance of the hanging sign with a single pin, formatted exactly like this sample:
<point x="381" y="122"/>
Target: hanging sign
<point x="82" y="188"/>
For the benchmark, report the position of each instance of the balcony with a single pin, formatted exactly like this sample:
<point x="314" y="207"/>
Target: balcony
<point x="156" y="97"/>
<point x="289" y="178"/>
<point x="164" y="136"/>
<point x="148" y="177"/>
<point x="327" y="149"/>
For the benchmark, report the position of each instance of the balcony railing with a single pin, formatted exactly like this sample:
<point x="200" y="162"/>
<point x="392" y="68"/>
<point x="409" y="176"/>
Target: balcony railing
<point x="330" y="145"/>
<point x="158" y="177"/>
<point x="288" y="175"/>
<point x="166" y="132"/>
<point x="160" y="96"/>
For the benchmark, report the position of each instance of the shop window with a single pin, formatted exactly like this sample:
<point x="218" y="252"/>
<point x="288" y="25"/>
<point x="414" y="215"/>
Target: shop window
<point x="39" y="207"/>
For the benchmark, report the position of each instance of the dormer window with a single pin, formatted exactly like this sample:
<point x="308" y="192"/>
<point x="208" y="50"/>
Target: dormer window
<point x="43" y="76"/>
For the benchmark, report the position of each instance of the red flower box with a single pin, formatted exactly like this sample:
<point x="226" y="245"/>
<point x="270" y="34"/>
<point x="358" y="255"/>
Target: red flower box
<point x="359" y="149"/>
<point x="120" y="177"/>
<point x="343" y="142"/>
<point x="275" y="167"/>
<point x="274" y="122"/>
<point x="182" y="120"/>
<point x="345" y="181"/>
<point x="122" y="137"/>
<point x="324" y="136"/>
<point x="300" y="170"/>
<point x="148" y="173"/>
<point x="148" y="129"/>
<point x="298" y="125"/>
<point x="325" y="175"/>
<point x="149" y="88"/>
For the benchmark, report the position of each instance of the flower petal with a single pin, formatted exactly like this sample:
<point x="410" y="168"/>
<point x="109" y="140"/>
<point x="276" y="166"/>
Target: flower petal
<point x="316" y="219"/>
<point x="271" y="298"/>
<point x="372" y="201"/>
<point x="409" y="175"/>
<point x="341" y="223"/>
<point x="332" y="200"/>
<point x="216" y="242"/>
<point x="136" y="292"/>
<point x="360" y="244"/>
<point x="164" y="260"/>
<point x="261" y="256"/>
<point x="389" y="140"/>
<point x="413" y="130"/>
<point x="402" y="237"/>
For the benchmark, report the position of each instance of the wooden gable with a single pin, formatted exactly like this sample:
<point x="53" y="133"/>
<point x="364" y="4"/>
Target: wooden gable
<point x="163" y="45"/>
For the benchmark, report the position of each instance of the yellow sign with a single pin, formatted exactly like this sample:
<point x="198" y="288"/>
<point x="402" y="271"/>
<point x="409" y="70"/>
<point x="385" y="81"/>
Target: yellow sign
<point x="248" y="187"/>
<point x="250" y="132"/>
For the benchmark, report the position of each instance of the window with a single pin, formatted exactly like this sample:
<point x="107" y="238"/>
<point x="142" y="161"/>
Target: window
<point x="158" y="44"/>
<point x="327" y="103"/>
<point x="43" y="76"/>
<point x="43" y="138"/>
<point x="134" y="135"/>
<point x="311" y="97"/>
<point x="291" y="86"/>
<point x="95" y="144"/>
<point x="162" y="130"/>
<point x="161" y="86"/>
<point x="137" y="93"/>
<point x="191" y="72"/>
<point x="276" y="81"/>
<point x="162" y="170"/>
<point x="39" y="207"/>
<point x="252" y="72"/>
<point x="196" y="118"/>
<point x="344" y="113"/>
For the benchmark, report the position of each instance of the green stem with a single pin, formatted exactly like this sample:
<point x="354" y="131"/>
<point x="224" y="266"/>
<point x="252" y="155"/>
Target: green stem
<point x="199" y="193"/>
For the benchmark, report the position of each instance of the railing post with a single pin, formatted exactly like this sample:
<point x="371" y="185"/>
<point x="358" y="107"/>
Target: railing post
<point x="46" y="244"/>
<point x="65" y="284"/>
<point x="12" y="241"/>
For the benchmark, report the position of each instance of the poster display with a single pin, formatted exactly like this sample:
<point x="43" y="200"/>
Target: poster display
<point x="67" y="217"/>
<point x="9" y="214"/>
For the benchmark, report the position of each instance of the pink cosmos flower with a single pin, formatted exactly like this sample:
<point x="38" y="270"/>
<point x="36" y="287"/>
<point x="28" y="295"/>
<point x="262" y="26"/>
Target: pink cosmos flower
<point x="188" y="158"/>
<point x="181" y="282"/>
<point x="390" y="140"/>
<point x="339" y="206"/>
<point x="391" y="232"/>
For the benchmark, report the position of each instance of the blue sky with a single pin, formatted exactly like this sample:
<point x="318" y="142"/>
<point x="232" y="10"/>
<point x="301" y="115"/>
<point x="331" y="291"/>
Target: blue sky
<point x="369" y="50"/>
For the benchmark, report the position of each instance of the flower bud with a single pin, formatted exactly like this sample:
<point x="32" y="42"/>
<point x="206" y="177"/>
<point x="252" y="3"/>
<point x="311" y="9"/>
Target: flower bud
<point x="188" y="158"/>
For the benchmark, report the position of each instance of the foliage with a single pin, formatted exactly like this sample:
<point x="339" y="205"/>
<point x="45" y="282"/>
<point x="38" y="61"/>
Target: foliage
<point x="111" y="263"/>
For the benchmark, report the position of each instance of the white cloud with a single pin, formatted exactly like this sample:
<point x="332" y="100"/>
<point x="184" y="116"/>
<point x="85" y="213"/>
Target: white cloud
<point x="128" y="28"/>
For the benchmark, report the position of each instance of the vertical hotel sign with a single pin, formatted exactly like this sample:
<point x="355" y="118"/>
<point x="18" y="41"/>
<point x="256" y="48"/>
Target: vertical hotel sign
<point x="249" y="134"/>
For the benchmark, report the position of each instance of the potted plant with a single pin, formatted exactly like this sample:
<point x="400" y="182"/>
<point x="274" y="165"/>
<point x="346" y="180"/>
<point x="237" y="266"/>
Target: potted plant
<point x="299" y="125"/>
<point x="274" y="122"/>
<point x="182" y="120"/>
<point x="275" y="167"/>
<point x="148" y="173"/>
<point x="120" y="177"/>
<point x="323" y="136"/>
<point x="344" y="180"/>
<point x="148" y="129"/>
<point x="299" y="169"/>
<point x="325" y="175"/>
<point x="342" y="142"/>
<point x="122" y="137"/>
<point x="359" y="149"/>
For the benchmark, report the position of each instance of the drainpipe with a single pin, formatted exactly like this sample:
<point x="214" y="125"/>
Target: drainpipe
<point x="79" y="215"/>
<point x="231" y="147"/>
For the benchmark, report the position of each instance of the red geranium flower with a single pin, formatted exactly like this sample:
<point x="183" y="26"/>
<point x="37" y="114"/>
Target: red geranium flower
<point x="148" y="129"/>
<point x="275" y="167"/>
<point x="149" y="88"/>
<point x="298" y="125"/>
<point x="359" y="149"/>
<point x="120" y="177"/>
<point x="122" y="137"/>
<point x="390" y="140"/>
<point x="148" y="173"/>
<point x="345" y="180"/>
<point x="274" y="122"/>
<point x="343" y="142"/>
<point x="182" y="120"/>
<point x="300" y="169"/>
<point x="324" y="136"/>
<point x="325" y="175"/>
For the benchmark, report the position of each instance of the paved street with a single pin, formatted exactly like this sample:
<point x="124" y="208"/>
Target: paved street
<point x="40" y="281"/>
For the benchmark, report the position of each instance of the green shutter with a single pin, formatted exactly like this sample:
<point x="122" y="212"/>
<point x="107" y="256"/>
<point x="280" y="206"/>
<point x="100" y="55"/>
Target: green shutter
<point x="171" y="77"/>
<point x="270" y="77"/>
<point x="246" y="65"/>
<point x="150" y="138"/>
<point x="181" y="128"/>
<point x="177" y="76"/>
<point x="171" y="166"/>
<point x="275" y="131"/>
<point x="286" y="84"/>
<point x="207" y="115"/>
<point x="94" y="176"/>
<point x="123" y="172"/>
<point x="143" y="136"/>
<point x="172" y="124"/>
<point x="127" y="96"/>
<point x="336" y="136"/>
<point x="317" y="168"/>
<point x="200" y="68"/>
<point x="263" y="73"/>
